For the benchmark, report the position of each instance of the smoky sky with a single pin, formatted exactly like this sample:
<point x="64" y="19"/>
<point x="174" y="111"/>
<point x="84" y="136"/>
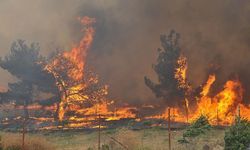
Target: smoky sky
<point x="127" y="37"/>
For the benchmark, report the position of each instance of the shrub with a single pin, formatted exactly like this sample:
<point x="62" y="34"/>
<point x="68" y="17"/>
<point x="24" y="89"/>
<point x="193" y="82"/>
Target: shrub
<point x="105" y="147"/>
<point x="198" y="127"/>
<point x="238" y="135"/>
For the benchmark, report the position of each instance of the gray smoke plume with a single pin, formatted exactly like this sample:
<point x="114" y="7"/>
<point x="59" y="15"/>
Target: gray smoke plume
<point x="127" y="37"/>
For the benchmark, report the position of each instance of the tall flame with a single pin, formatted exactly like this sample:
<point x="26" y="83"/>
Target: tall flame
<point x="77" y="57"/>
<point x="76" y="91"/>
<point x="78" y="54"/>
<point x="220" y="109"/>
<point x="180" y="72"/>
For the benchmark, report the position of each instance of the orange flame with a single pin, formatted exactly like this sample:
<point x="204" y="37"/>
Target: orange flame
<point x="72" y="95"/>
<point x="220" y="109"/>
<point x="180" y="73"/>
<point x="78" y="54"/>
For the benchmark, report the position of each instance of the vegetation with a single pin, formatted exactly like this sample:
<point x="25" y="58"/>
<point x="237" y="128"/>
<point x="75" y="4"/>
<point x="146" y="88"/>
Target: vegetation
<point x="25" y="63"/>
<point x="10" y="141"/>
<point x="169" y="85"/>
<point x="238" y="135"/>
<point x="198" y="127"/>
<point x="155" y="140"/>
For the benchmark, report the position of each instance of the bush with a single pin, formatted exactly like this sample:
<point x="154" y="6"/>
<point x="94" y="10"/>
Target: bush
<point x="105" y="147"/>
<point x="238" y="135"/>
<point x="198" y="127"/>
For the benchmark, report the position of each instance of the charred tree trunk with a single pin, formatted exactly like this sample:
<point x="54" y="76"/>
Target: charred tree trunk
<point x="56" y="116"/>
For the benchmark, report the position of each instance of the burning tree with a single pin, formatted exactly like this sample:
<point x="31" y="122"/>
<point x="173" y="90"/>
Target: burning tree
<point x="220" y="107"/>
<point x="171" y="70"/>
<point x="73" y="92"/>
<point x="81" y="96"/>
<point x="79" y="91"/>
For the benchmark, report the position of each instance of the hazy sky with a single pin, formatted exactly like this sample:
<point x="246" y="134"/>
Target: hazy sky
<point x="127" y="36"/>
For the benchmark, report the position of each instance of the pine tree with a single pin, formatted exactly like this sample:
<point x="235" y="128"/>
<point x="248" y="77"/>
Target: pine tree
<point x="171" y="86"/>
<point x="25" y="63"/>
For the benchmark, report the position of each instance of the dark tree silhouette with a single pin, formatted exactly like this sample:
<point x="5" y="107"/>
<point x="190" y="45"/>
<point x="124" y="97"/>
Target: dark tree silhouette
<point x="171" y="86"/>
<point x="26" y="64"/>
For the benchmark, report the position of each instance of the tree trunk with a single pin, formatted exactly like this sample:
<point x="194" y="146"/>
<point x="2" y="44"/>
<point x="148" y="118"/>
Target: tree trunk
<point x="56" y="115"/>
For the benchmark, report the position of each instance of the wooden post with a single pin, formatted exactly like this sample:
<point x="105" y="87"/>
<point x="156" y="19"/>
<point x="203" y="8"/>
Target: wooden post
<point x="239" y="111"/>
<point x="98" y="119"/>
<point x="187" y="114"/>
<point x="169" y="129"/>
<point x="186" y="108"/>
<point x="99" y="131"/>
<point x="217" y="116"/>
<point x="173" y="115"/>
<point x="23" y="135"/>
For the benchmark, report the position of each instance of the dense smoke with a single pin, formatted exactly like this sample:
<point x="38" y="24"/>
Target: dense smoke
<point x="127" y="37"/>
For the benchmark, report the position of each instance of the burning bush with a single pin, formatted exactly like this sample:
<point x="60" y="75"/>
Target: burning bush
<point x="238" y="135"/>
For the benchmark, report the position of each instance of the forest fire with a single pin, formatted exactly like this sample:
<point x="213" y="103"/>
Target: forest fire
<point x="185" y="102"/>
<point x="220" y="109"/>
<point x="81" y="101"/>
<point x="80" y="91"/>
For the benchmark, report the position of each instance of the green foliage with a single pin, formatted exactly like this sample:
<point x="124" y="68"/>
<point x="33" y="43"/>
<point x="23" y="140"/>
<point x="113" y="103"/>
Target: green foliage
<point x="198" y="127"/>
<point x="147" y="123"/>
<point x="26" y="64"/>
<point x="111" y="131"/>
<point x="183" y="140"/>
<point x="238" y="135"/>
<point x="157" y="128"/>
<point x="105" y="147"/>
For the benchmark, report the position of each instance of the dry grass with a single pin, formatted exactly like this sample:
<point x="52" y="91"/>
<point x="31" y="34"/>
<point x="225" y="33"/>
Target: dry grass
<point x="150" y="139"/>
<point x="31" y="142"/>
<point x="128" y="138"/>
